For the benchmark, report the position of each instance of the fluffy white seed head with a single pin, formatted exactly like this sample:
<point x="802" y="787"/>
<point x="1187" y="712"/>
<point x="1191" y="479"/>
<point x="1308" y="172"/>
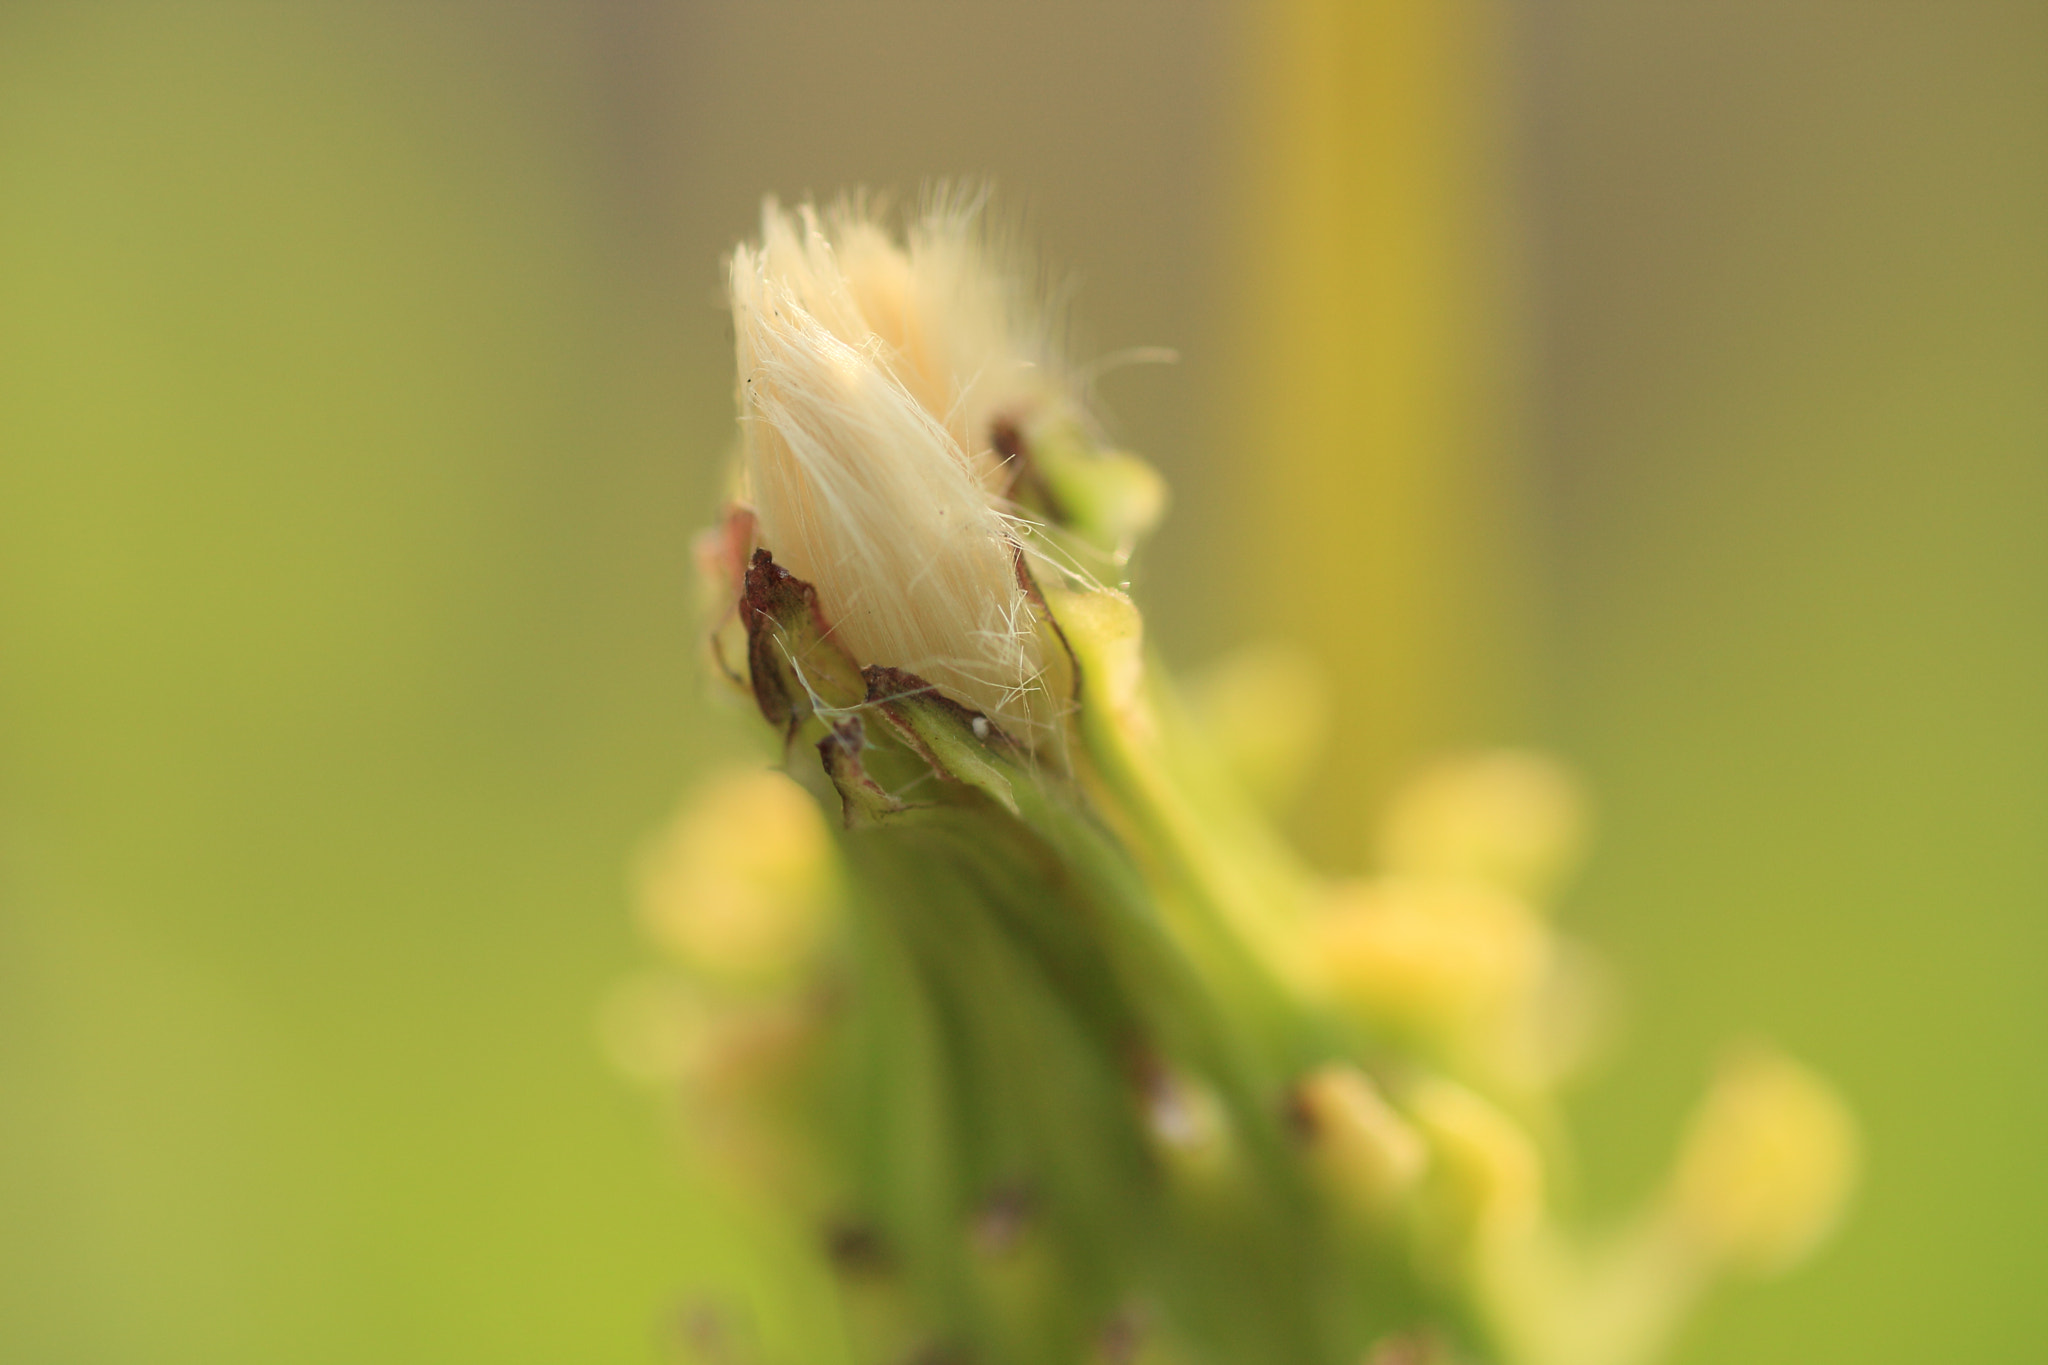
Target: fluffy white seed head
<point x="954" y="325"/>
<point x="864" y="371"/>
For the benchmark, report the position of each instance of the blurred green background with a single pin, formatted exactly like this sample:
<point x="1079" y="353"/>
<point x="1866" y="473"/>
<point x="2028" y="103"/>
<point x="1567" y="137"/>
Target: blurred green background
<point x="362" y="379"/>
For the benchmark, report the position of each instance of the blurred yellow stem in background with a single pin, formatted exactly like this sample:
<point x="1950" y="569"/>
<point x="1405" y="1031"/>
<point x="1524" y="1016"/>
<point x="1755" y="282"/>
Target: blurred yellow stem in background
<point x="1378" y="407"/>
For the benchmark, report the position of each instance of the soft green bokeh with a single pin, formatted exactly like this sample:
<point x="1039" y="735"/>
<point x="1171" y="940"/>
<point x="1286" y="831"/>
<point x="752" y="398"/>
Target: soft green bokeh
<point x="342" y="588"/>
<point x="1797" y="323"/>
<point x="360" y="377"/>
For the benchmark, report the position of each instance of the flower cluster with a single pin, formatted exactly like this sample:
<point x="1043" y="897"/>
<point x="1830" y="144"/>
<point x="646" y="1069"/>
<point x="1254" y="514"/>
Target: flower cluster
<point x="993" y="975"/>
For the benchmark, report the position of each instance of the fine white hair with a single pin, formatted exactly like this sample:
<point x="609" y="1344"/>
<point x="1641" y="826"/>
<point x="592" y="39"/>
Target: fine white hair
<point x="870" y="375"/>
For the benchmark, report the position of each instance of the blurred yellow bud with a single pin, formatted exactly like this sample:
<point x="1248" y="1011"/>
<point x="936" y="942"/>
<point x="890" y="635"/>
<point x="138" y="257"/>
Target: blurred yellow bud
<point x="1565" y="1024"/>
<point x="1486" y="1176"/>
<point x="1508" y="819"/>
<point x="738" y="1066"/>
<point x="1107" y="635"/>
<point x="1767" y="1164"/>
<point x="1112" y="633"/>
<point x="653" y="1028"/>
<point x="1266" y="709"/>
<point x="1357" y="1144"/>
<point x="1440" y="959"/>
<point x="741" y="884"/>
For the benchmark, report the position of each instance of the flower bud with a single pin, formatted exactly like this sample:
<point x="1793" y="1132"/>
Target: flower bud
<point x="1486" y="1177"/>
<point x="1357" y="1144"/>
<point x="741" y="885"/>
<point x="1266" y="709"/>
<point x="1451" y="963"/>
<point x="1506" y="819"/>
<point x="1767" y="1164"/>
<point x="860" y="487"/>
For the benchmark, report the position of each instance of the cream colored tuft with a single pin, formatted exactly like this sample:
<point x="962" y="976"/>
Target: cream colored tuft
<point x="864" y="368"/>
<point x="959" y="334"/>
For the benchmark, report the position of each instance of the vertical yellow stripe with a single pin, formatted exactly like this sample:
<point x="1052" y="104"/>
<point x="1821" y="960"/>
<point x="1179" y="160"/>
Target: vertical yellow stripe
<point x="1375" y="411"/>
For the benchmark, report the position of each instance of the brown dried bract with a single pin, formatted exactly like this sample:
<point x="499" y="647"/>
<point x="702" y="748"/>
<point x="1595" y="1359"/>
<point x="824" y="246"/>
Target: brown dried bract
<point x="792" y="661"/>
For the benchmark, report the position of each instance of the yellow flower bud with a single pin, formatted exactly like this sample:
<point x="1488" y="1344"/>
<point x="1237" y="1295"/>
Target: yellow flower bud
<point x="1767" y="1165"/>
<point x="741" y="884"/>
<point x="1486" y="1176"/>
<point x="1357" y="1144"/>
<point x="1266" y="709"/>
<point x="1444" y="961"/>
<point x="652" y="1028"/>
<point x="738" y="1067"/>
<point x="1506" y="819"/>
